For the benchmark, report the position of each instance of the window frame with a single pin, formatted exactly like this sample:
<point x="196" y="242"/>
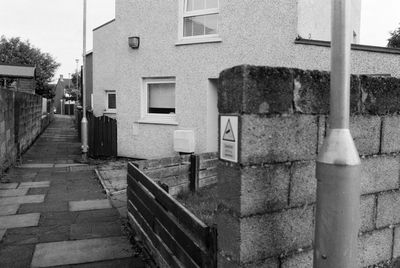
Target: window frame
<point x="111" y="110"/>
<point x="209" y="38"/>
<point x="156" y="118"/>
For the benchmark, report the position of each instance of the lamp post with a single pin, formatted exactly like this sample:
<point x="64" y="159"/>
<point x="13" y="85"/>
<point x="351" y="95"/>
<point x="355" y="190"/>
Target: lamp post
<point x="338" y="164"/>
<point x="84" y="123"/>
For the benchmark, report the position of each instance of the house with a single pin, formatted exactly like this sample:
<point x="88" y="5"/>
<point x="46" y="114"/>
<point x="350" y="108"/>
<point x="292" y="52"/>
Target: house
<point x="62" y="87"/>
<point x="156" y="65"/>
<point x="18" y="77"/>
<point x="89" y="80"/>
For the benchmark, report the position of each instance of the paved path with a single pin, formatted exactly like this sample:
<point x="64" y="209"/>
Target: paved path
<point x="53" y="210"/>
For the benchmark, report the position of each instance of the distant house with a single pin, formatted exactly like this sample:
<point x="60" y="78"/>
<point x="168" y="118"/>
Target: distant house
<point x="18" y="77"/>
<point x="61" y="89"/>
<point x="156" y="66"/>
<point x="89" y="80"/>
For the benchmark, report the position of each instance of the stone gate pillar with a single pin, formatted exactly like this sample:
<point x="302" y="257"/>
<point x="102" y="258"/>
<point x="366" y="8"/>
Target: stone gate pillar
<point x="262" y="144"/>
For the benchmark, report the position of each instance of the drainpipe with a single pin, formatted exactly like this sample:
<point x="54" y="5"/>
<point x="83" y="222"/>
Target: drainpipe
<point x="84" y="122"/>
<point x="338" y="164"/>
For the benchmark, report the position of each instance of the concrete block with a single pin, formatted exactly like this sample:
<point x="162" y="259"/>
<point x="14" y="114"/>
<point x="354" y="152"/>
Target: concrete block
<point x="254" y="189"/>
<point x="396" y="241"/>
<point x="375" y="247"/>
<point x="255" y="90"/>
<point x="268" y="235"/>
<point x="367" y="212"/>
<point x="227" y="262"/>
<point x="381" y="95"/>
<point x="2" y="127"/>
<point x="229" y="185"/>
<point x="278" y="139"/>
<point x="322" y="122"/>
<point x="229" y="237"/>
<point x="264" y="188"/>
<point x="312" y="89"/>
<point x="366" y="132"/>
<point x="303" y="185"/>
<point x="268" y="263"/>
<point x="301" y="260"/>
<point x="390" y="140"/>
<point x="388" y="209"/>
<point x="379" y="174"/>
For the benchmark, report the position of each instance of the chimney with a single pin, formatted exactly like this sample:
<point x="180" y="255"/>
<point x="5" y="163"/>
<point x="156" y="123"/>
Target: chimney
<point x="61" y="77"/>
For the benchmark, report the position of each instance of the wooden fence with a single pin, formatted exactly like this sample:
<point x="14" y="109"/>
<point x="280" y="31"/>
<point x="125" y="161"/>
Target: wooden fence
<point x="173" y="235"/>
<point x="182" y="173"/>
<point x="102" y="134"/>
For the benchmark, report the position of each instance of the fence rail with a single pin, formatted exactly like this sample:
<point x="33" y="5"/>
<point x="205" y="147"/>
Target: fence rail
<point x="170" y="230"/>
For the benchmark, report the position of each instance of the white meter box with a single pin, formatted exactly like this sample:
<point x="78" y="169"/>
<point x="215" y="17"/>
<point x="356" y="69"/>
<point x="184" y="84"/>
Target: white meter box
<point x="229" y="138"/>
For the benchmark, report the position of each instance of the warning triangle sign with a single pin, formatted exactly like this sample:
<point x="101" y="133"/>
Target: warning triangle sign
<point x="228" y="133"/>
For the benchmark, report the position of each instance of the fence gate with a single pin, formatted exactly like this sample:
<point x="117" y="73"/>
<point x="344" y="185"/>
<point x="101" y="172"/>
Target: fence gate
<point x="102" y="136"/>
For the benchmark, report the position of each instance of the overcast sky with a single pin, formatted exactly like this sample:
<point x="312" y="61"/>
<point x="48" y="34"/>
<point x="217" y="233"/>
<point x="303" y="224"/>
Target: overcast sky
<point x="55" y="26"/>
<point x="378" y="18"/>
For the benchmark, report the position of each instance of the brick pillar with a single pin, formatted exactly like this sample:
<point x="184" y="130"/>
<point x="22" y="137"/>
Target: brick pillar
<point x="256" y="223"/>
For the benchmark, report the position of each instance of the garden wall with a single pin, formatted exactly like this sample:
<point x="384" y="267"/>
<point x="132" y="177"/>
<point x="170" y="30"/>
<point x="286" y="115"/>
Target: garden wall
<point x="21" y="121"/>
<point x="175" y="172"/>
<point x="267" y="209"/>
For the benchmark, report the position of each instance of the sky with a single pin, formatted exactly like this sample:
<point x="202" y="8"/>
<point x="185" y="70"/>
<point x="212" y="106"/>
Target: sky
<point x="378" y="18"/>
<point x="55" y="26"/>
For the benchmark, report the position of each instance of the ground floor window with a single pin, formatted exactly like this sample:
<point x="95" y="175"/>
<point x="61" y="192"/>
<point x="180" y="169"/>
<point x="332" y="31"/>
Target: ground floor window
<point x="111" y="101"/>
<point x="158" y="99"/>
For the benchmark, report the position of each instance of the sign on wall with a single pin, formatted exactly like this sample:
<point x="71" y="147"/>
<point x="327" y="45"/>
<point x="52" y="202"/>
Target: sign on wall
<point x="229" y="130"/>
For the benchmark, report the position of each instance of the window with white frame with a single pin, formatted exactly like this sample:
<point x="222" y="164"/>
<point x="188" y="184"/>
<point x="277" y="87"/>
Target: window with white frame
<point x="200" y="19"/>
<point x="111" y="101"/>
<point x="158" y="100"/>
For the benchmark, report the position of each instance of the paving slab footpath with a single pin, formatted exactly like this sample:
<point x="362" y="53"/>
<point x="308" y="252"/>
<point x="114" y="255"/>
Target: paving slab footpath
<point x="54" y="211"/>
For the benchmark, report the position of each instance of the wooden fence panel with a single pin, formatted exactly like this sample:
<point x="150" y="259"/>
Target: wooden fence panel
<point x="102" y="135"/>
<point x="170" y="226"/>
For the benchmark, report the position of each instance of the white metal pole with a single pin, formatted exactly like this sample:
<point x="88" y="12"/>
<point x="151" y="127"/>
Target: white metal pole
<point x="84" y="123"/>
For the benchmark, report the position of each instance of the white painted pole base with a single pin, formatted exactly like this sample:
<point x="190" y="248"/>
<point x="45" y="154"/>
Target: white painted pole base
<point x="84" y="138"/>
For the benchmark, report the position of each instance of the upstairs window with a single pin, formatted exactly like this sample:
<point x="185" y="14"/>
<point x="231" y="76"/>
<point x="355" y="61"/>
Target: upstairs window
<point x="199" y="20"/>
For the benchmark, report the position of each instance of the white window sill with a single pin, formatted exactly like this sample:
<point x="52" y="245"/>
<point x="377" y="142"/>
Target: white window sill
<point x="110" y="111"/>
<point x="198" y="40"/>
<point x="158" y="121"/>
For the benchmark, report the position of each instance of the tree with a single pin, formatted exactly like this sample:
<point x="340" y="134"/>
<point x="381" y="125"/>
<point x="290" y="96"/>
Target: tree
<point x="394" y="40"/>
<point x="15" y="51"/>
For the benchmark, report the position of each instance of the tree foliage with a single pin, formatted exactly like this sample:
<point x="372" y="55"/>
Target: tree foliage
<point x="16" y="51"/>
<point x="394" y="40"/>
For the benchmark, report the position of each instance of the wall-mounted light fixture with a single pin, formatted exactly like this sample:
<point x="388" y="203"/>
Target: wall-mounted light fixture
<point x="134" y="42"/>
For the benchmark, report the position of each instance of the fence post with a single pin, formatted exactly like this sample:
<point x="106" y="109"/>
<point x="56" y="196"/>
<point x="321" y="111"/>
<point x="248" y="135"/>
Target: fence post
<point x="194" y="172"/>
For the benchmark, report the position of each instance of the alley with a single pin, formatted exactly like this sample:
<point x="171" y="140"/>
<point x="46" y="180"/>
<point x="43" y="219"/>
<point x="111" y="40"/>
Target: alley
<point x="53" y="211"/>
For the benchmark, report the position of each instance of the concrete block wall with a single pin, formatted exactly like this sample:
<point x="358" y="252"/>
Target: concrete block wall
<point x="267" y="200"/>
<point x="20" y="123"/>
<point x="30" y="117"/>
<point x="175" y="171"/>
<point x="8" y="150"/>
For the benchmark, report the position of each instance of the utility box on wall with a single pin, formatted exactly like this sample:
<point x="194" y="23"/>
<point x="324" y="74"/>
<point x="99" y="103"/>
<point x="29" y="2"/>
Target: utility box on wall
<point x="184" y="141"/>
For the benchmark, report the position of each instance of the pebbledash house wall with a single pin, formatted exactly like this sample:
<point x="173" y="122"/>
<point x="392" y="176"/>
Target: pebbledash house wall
<point x="104" y="65"/>
<point x="21" y="121"/>
<point x="255" y="32"/>
<point x="267" y="200"/>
